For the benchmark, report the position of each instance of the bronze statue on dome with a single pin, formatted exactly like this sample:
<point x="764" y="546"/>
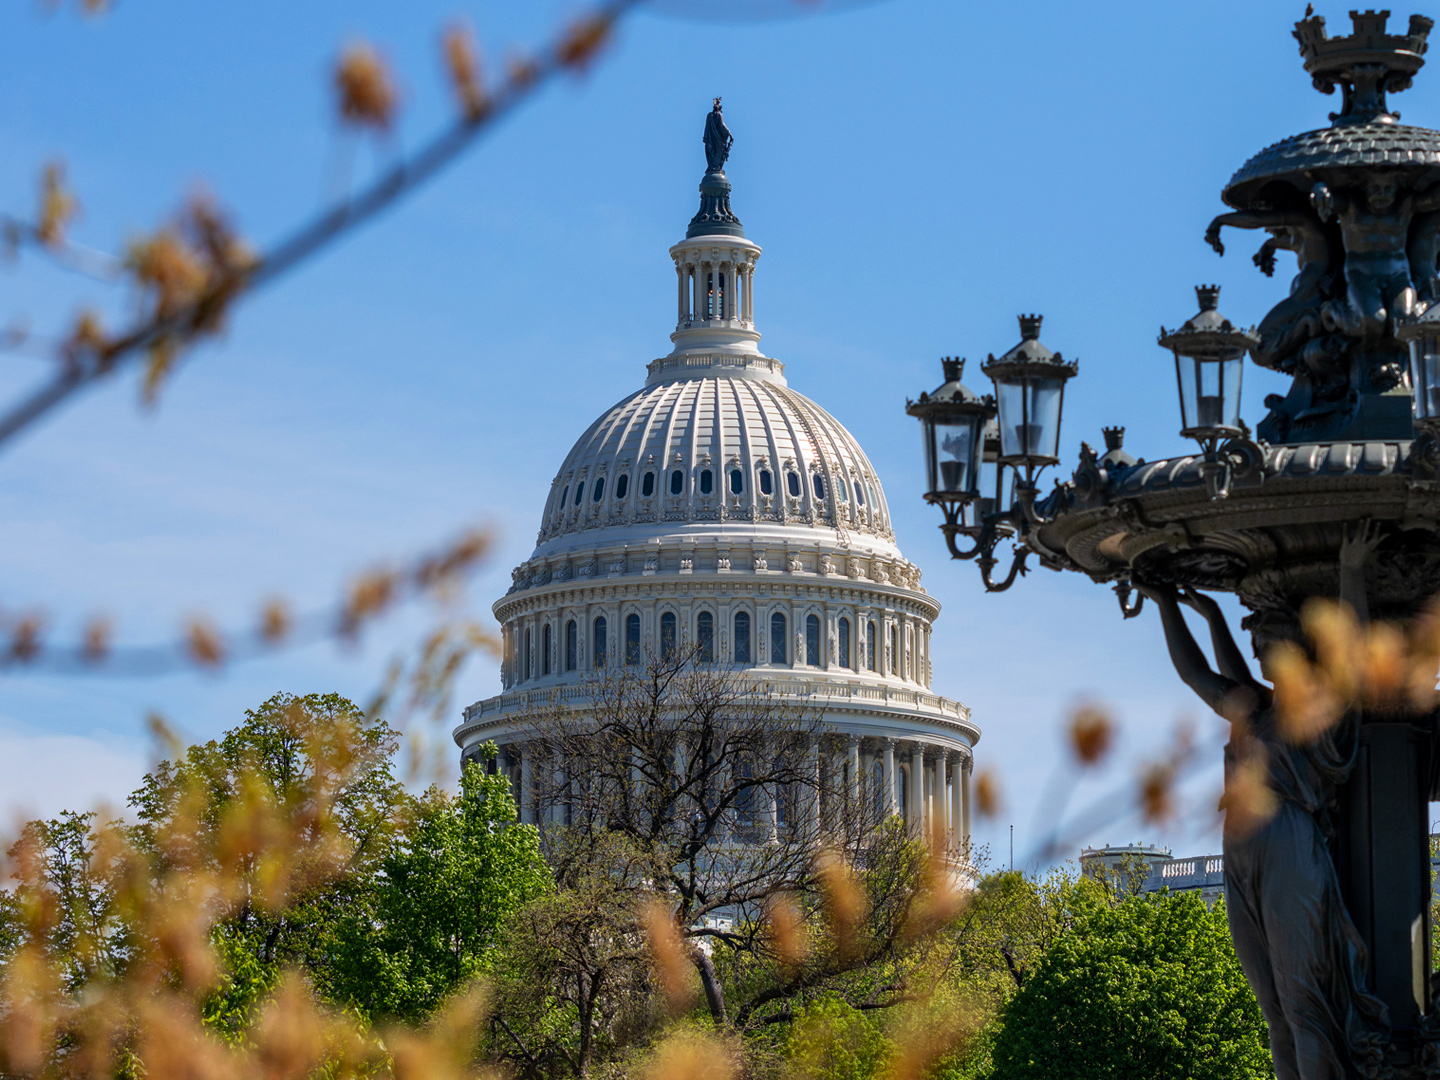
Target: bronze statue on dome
<point x="718" y="140"/>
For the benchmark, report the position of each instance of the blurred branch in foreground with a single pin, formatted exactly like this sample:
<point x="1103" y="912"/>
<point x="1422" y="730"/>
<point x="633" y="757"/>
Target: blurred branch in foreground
<point x="192" y="271"/>
<point x="436" y="575"/>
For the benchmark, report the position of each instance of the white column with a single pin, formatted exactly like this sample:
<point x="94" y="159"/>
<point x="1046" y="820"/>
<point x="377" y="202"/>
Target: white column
<point x="750" y="294"/>
<point x="917" y="789"/>
<point x="853" y="780"/>
<point x="892" y="797"/>
<point x="965" y="767"/>
<point x="527" y="785"/>
<point x="811" y="804"/>
<point x="732" y="293"/>
<point x="557" y="787"/>
<point x="680" y="275"/>
<point x="943" y="824"/>
<point x="957" y="838"/>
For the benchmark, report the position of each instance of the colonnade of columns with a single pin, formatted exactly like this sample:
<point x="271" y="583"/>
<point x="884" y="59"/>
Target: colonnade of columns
<point x="926" y="784"/>
<point x="709" y="290"/>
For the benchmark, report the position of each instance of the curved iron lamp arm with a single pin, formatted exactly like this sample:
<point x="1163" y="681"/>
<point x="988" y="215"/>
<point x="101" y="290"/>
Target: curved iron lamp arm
<point x="1123" y="592"/>
<point x="987" y="562"/>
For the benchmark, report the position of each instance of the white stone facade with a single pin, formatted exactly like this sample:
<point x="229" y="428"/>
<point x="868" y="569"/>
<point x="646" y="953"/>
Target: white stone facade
<point x="715" y="504"/>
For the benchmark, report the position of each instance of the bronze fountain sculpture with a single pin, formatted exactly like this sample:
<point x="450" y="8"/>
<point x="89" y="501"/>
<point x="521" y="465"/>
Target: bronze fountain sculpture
<point x="1336" y="495"/>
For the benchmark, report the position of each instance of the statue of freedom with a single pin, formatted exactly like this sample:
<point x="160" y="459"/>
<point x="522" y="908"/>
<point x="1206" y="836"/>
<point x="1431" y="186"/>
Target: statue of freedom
<point x="717" y="140"/>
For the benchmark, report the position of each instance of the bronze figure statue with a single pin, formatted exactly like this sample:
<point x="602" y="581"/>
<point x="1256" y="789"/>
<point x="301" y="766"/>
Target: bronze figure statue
<point x="717" y="140"/>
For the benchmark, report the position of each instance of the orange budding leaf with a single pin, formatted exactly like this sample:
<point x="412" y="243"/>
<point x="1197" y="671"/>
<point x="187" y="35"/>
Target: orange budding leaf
<point x="367" y="94"/>
<point x="844" y="901"/>
<point x="203" y="643"/>
<point x="584" y="40"/>
<point x="1157" y="793"/>
<point x="86" y="343"/>
<point x="1249" y="801"/>
<point x="58" y="205"/>
<point x="1386" y="666"/>
<point x="1306" y="705"/>
<point x="668" y="951"/>
<point x="25" y="638"/>
<point x="95" y="645"/>
<point x="987" y="794"/>
<point x="787" y="934"/>
<point x="369" y="595"/>
<point x="462" y="60"/>
<point x="275" y="621"/>
<point x="1091" y="735"/>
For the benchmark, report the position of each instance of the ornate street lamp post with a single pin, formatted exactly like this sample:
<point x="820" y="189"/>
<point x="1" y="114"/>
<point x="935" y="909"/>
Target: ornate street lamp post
<point x="1337" y="495"/>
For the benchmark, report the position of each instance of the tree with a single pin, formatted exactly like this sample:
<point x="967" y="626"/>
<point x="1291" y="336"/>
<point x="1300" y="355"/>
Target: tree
<point x="721" y="793"/>
<point x="455" y="871"/>
<point x="1149" y="987"/>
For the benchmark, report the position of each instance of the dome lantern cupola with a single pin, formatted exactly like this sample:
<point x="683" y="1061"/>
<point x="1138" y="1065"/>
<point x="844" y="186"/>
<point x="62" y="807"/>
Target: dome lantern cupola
<point x="715" y="264"/>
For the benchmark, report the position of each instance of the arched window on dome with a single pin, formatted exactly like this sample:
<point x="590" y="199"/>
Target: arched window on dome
<point x="742" y="637"/>
<point x="622" y="486"/>
<point x="840" y="491"/>
<point x="859" y="494"/>
<point x="779" y="641"/>
<point x="705" y="637"/>
<point x="767" y="486"/>
<point x="632" y="639"/>
<point x="564" y="496"/>
<point x="579" y="492"/>
<point x="647" y="485"/>
<point x="707" y="481"/>
<point x="842" y="642"/>
<point x="667" y="634"/>
<point x="599" y="488"/>
<point x="792" y="481"/>
<point x="737" y="481"/>
<point x="870" y="645"/>
<point x="818" y="483"/>
<point x="545" y="650"/>
<point x="572" y="645"/>
<point x="525" y="658"/>
<point x="812" y="640"/>
<point x="597" y="654"/>
<point x="870" y="492"/>
<point x="677" y="482"/>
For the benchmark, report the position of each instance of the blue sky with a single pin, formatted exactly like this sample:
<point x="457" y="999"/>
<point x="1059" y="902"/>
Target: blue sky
<point x="917" y="172"/>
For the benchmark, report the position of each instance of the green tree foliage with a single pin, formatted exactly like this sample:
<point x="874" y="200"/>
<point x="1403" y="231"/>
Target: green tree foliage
<point x="424" y="884"/>
<point x="455" y="871"/>
<point x="1149" y="987"/>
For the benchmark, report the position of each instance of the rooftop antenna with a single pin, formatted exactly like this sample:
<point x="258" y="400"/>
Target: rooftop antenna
<point x="1012" y="847"/>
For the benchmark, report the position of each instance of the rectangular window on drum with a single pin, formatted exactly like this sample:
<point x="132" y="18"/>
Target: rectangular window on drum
<point x="632" y="639"/>
<point x="597" y="655"/>
<point x="843" y="643"/>
<point x="812" y="640"/>
<point x="742" y="637"/>
<point x="779" y="647"/>
<point x="705" y="637"/>
<point x="870" y="645"/>
<point x="571" y="644"/>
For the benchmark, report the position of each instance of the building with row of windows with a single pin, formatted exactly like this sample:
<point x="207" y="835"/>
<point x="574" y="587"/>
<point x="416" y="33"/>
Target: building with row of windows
<point x="717" y="506"/>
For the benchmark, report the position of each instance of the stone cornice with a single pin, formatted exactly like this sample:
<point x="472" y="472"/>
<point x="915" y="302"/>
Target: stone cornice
<point x="740" y="586"/>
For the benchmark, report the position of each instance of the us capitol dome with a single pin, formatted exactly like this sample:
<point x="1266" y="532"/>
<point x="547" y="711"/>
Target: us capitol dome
<point x="717" y="505"/>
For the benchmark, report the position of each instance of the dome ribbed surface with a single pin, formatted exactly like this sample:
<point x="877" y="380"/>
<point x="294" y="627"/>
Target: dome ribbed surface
<point x="1334" y="147"/>
<point x="720" y="425"/>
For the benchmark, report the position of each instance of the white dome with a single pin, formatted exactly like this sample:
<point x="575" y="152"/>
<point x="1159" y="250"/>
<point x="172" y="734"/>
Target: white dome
<point x="714" y="445"/>
<point x="716" y="505"/>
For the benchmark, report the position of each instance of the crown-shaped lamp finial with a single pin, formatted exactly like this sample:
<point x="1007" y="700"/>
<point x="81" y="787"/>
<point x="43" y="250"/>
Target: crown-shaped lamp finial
<point x="1030" y="327"/>
<point x="1366" y="64"/>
